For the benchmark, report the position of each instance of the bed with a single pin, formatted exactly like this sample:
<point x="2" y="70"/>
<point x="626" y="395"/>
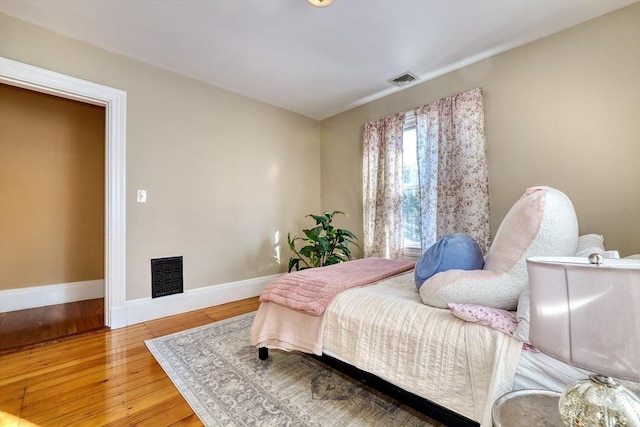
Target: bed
<point x="453" y="346"/>
<point x="455" y="368"/>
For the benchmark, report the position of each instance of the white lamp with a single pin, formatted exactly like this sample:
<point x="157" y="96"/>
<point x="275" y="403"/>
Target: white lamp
<point x="587" y="313"/>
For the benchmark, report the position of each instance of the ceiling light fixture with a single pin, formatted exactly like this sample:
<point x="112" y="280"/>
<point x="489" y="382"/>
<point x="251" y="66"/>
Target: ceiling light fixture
<point x="320" y="3"/>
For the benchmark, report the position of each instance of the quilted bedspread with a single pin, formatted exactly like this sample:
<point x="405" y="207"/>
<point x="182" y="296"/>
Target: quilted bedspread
<point x="386" y="330"/>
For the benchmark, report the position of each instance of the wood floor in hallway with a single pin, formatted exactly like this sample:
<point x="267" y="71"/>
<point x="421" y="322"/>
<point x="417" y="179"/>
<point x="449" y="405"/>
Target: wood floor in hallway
<point x="23" y="328"/>
<point x="107" y="378"/>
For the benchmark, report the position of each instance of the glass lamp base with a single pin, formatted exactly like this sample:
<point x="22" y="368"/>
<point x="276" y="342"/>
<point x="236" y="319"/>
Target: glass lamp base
<point x="599" y="401"/>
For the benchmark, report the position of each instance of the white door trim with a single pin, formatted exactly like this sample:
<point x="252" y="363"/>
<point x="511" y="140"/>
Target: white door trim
<point x="115" y="102"/>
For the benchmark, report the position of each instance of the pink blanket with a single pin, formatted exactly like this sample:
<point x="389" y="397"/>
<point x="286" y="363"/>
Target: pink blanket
<point x="311" y="291"/>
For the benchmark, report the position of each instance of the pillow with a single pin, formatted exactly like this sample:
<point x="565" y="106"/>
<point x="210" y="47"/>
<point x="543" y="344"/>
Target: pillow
<point x="542" y="222"/>
<point x="495" y="318"/>
<point x="595" y="250"/>
<point x="523" y="314"/>
<point x="452" y="252"/>
<point x="590" y="242"/>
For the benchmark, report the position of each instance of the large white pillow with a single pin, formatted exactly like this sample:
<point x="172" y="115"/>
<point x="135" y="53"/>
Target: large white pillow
<point x="541" y="223"/>
<point x="523" y="316"/>
<point x="590" y="241"/>
<point x="589" y="244"/>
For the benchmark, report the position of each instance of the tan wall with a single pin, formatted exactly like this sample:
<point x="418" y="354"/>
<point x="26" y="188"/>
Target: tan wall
<point x="225" y="174"/>
<point x="562" y="111"/>
<point x="52" y="190"/>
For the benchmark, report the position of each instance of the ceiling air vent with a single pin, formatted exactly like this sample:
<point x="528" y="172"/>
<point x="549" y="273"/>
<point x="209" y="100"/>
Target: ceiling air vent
<point x="403" y="79"/>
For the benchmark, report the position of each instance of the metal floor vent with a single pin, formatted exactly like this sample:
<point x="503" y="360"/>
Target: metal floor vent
<point x="166" y="276"/>
<point x="403" y="79"/>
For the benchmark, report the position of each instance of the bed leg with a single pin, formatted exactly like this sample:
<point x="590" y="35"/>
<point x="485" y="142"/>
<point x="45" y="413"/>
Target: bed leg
<point x="263" y="353"/>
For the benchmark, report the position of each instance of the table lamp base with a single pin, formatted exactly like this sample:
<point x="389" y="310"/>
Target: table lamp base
<point x="599" y="401"/>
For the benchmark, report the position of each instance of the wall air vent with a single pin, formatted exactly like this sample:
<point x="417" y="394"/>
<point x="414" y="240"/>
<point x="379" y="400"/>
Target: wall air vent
<point x="403" y="79"/>
<point x="166" y="276"/>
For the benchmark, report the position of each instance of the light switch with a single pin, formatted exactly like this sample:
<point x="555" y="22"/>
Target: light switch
<point x="142" y="196"/>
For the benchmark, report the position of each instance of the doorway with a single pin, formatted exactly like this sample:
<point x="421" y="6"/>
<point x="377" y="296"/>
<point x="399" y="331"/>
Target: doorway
<point x="114" y="100"/>
<point x="52" y="159"/>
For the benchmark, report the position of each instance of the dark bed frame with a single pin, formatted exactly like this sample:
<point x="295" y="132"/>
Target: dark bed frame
<point x="420" y="404"/>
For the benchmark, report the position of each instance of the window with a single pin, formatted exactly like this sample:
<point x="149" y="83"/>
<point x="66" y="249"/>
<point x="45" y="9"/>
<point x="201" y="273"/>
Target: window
<point x="410" y="196"/>
<point x="430" y="207"/>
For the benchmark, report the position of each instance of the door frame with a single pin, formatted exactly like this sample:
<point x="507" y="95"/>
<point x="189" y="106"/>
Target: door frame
<point x="114" y="101"/>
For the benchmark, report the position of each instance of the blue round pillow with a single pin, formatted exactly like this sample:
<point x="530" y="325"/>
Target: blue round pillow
<point x="452" y="252"/>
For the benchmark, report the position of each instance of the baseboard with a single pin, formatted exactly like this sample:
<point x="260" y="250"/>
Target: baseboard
<point x="40" y="296"/>
<point x="138" y="310"/>
<point x="145" y="309"/>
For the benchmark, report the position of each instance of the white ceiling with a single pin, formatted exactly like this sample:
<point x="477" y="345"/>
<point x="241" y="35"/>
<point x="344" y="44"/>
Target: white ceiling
<point x="314" y="61"/>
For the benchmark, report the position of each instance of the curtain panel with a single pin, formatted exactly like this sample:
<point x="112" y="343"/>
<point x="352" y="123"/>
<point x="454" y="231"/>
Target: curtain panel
<point x="452" y="169"/>
<point x="382" y="187"/>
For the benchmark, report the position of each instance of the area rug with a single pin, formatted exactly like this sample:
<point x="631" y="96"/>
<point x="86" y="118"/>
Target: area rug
<point x="220" y="376"/>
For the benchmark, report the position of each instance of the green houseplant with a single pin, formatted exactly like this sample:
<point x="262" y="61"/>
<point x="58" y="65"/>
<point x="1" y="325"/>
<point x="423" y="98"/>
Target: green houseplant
<point x="325" y="244"/>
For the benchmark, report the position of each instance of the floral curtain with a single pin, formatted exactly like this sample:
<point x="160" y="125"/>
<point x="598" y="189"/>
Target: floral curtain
<point x="452" y="168"/>
<point x="382" y="187"/>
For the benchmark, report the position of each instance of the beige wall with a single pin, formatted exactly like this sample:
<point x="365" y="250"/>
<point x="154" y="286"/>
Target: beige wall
<point x="563" y="111"/>
<point x="51" y="188"/>
<point x="225" y="175"/>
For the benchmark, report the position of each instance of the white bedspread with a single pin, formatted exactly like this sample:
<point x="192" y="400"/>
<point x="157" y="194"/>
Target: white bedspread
<point x="386" y="330"/>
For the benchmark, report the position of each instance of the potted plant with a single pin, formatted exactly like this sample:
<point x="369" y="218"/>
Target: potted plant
<point x="325" y="244"/>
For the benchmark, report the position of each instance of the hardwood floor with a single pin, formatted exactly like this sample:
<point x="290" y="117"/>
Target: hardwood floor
<point x="107" y="378"/>
<point x="22" y="328"/>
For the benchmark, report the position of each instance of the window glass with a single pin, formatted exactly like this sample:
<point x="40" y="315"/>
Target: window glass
<point x="410" y="201"/>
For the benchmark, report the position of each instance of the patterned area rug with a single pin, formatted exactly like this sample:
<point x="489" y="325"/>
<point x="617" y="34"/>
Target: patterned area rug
<point x="221" y="377"/>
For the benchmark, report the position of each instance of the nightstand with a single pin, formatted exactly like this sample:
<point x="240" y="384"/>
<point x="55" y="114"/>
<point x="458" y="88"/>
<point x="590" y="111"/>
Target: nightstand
<point x="527" y="408"/>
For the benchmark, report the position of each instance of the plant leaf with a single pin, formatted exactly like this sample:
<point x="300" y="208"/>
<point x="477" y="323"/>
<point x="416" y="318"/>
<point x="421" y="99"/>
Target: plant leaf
<point x="292" y="242"/>
<point x="325" y="244"/>
<point x="344" y="249"/>
<point x="313" y="234"/>
<point x="347" y="233"/>
<point x="306" y="251"/>
<point x="333" y="260"/>
<point x="320" y="219"/>
<point x="294" y="262"/>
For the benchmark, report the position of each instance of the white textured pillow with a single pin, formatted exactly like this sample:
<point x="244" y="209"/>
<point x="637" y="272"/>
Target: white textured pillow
<point x="590" y="242"/>
<point x="541" y="223"/>
<point x="594" y="244"/>
<point x="523" y="314"/>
